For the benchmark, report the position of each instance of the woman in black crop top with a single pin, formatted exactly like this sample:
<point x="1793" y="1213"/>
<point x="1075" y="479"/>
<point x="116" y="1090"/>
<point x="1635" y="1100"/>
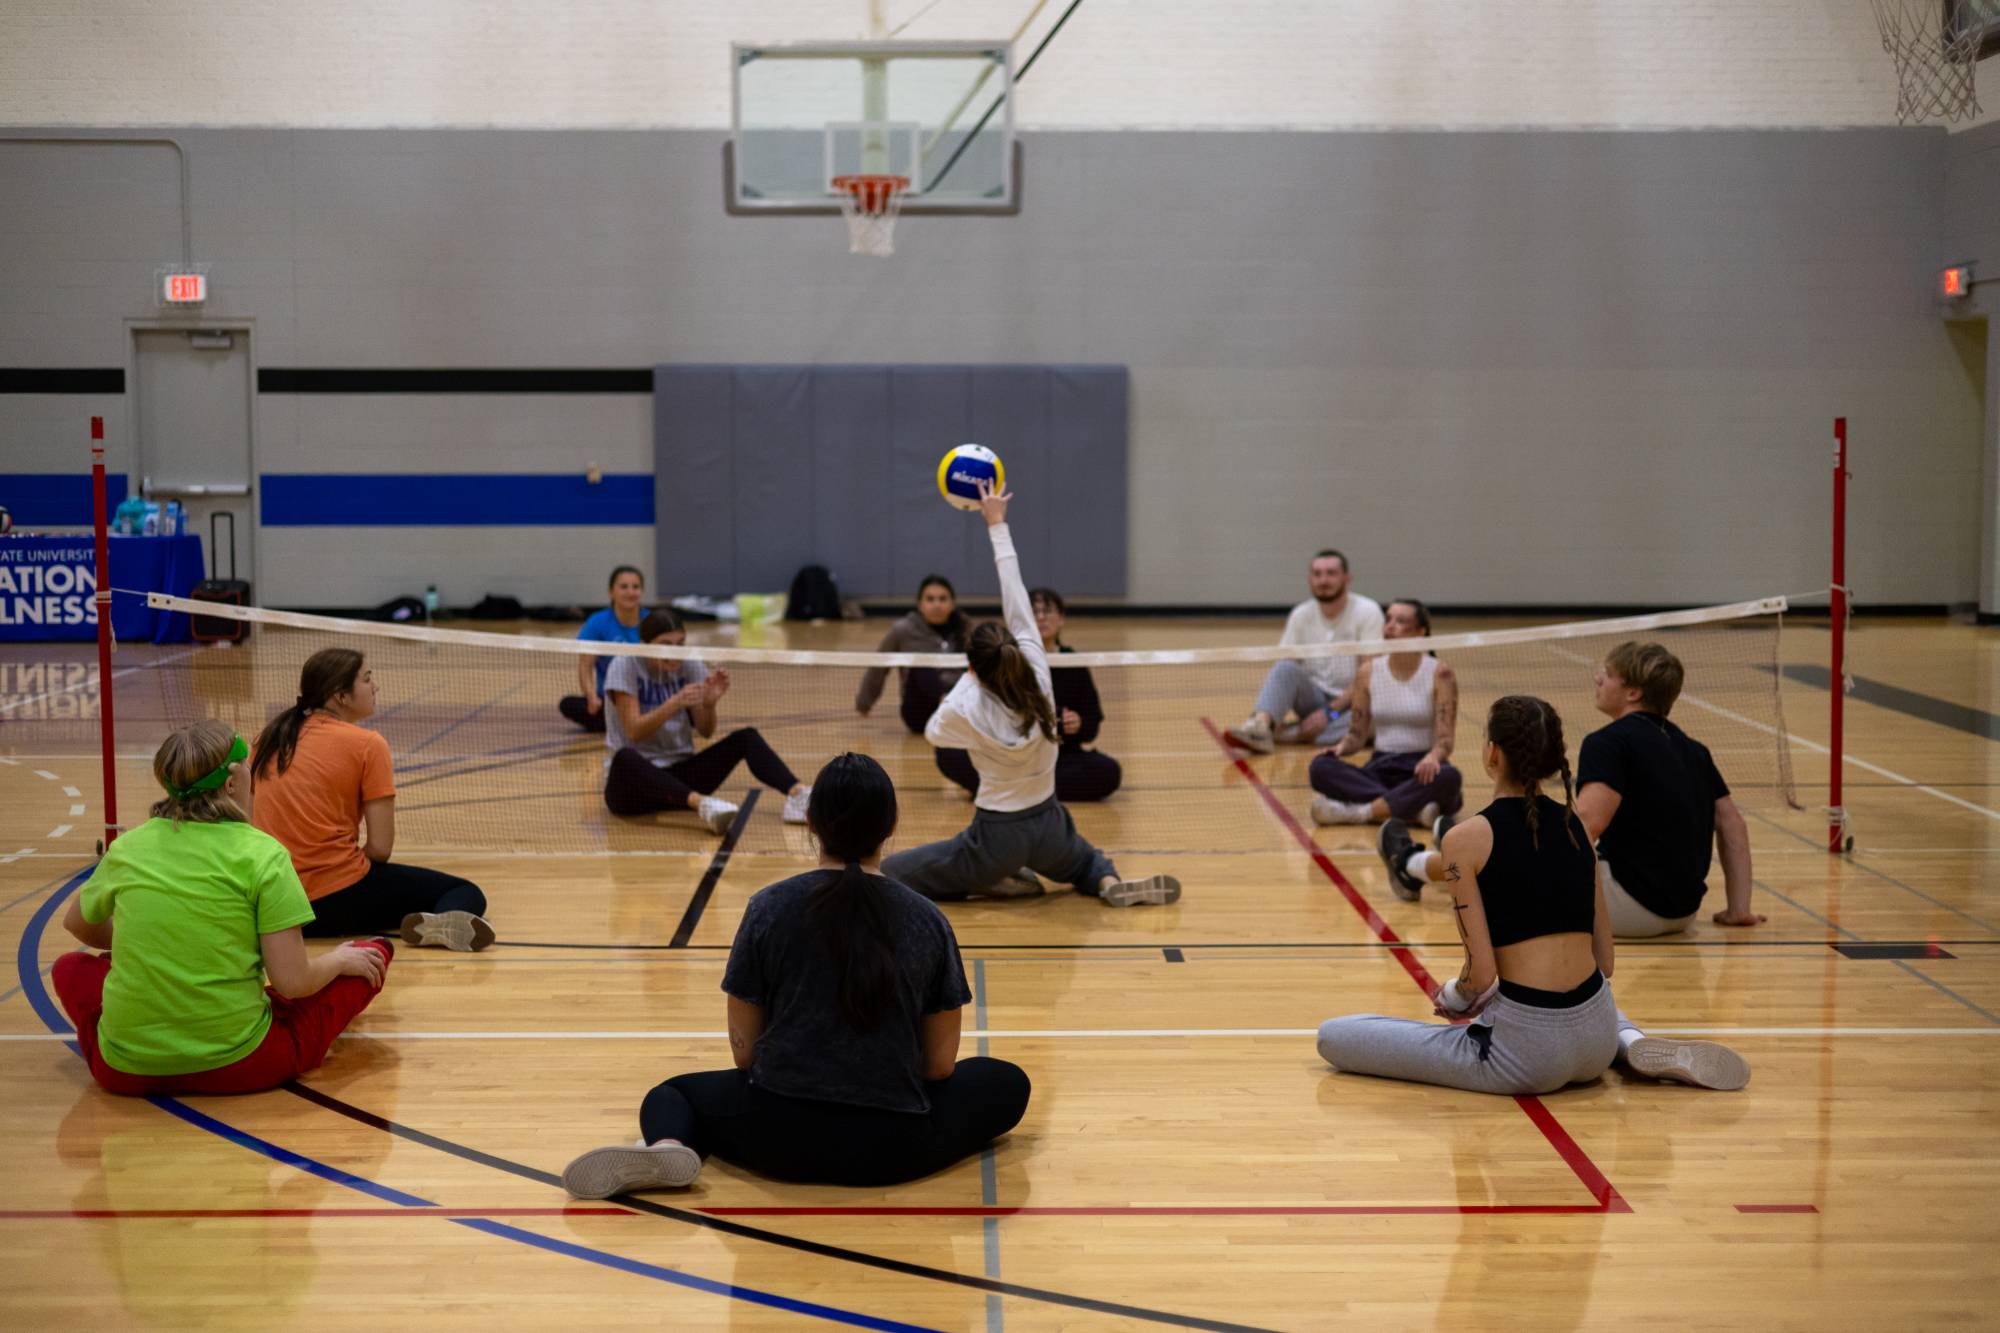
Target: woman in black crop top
<point x="1538" y="956"/>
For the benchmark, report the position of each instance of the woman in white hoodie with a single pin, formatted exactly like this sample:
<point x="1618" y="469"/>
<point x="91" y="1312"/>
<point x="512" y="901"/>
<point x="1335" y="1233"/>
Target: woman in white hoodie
<point x="1000" y="714"/>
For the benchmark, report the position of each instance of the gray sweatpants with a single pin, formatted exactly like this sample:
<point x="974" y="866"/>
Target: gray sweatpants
<point x="1512" y="1048"/>
<point x="1042" y="838"/>
<point x="1289" y="692"/>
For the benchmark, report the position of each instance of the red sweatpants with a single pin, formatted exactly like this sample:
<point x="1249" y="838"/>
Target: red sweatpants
<point x="301" y="1031"/>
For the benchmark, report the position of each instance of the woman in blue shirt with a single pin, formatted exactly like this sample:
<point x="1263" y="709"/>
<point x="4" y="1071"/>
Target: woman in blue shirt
<point x="616" y="623"/>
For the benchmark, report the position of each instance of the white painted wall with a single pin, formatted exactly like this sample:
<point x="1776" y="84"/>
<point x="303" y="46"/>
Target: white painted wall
<point x="1118" y="63"/>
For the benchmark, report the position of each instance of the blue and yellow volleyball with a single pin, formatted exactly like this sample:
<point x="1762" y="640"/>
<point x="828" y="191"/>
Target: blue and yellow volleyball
<point x="962" y="469"/>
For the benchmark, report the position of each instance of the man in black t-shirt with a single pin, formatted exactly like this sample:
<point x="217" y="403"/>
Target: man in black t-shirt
<point x="1651" y="797"/>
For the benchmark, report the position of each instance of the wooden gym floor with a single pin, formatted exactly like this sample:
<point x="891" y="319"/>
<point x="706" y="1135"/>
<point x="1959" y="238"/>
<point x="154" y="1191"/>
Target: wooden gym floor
<point x="1187" y="1161"/>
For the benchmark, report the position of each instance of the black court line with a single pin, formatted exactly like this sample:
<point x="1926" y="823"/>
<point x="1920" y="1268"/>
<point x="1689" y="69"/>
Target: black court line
<point x="1892" y="951"/>
<point x="1378" y="945"/>
<point x="1927" y="707"/>
<point x="727" y="1227"/>
<point x="706" y="889"/>
<point x="1174" y="955"/>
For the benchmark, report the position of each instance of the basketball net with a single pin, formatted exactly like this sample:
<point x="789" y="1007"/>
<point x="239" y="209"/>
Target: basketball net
<point x="870" y="204"/>
<point x="1936" y="50"/>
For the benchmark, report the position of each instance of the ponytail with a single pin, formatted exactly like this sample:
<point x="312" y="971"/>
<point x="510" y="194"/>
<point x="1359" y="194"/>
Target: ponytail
<point x="1529" y="735"/>
<point x="328" y="672"/>
<point x="997" y="660"/>
<point x="852" y="812"/>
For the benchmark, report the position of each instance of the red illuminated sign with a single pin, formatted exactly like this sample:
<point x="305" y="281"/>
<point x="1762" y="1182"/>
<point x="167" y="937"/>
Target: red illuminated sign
<point x="1954" y="283"/>
<point x="186" y="288"/>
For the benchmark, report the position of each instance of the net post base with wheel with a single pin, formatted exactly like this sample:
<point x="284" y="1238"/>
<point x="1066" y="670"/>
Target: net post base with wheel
<point x="870" y="203"/>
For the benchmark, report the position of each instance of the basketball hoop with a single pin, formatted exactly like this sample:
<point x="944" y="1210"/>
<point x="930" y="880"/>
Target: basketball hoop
<point x="1936" y="49"/>
<point x="870" y="204"/>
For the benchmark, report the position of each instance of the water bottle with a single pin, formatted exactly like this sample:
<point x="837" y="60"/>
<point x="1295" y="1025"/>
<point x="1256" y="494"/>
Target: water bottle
<point x="430" y="602"/>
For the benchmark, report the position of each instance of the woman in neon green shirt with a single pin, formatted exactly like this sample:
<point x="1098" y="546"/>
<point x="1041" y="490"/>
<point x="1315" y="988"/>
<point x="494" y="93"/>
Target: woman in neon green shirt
<point x="204" y="907"/>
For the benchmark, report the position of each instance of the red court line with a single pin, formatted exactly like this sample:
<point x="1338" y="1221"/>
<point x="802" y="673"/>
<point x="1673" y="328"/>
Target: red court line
<point x="1170" y="1210"/>
<point x="122" y="1214"/>
<point x="1594" y="1180"/>
<point x="1776" y="1208"/>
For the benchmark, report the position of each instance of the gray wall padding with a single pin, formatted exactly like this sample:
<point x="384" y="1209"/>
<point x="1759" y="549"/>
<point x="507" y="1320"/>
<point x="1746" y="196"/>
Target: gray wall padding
<point x="761" y="469"/>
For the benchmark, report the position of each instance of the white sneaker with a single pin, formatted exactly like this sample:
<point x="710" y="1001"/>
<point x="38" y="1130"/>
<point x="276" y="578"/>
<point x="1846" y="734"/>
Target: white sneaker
<point x="603" y="1172"/>
<point x="1156" y="890"/>
<point x="795" y="805"/>
<point x="717" y="813"/>
<point x="1705" y="1064"/>
<point x="1427" y="816"/>
<point x="1289" y="735"/>
<point x="1326" y="810"/>
<point x="461" y="932"/>
<point x="1253" y="735"/>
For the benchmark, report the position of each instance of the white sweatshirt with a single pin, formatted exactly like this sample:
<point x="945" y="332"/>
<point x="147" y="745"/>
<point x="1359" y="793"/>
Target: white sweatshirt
<point x="1016" y="770"/>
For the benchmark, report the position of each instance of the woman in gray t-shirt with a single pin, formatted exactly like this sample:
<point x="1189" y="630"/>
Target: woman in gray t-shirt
<point x="653" y="710"/>
<point x="845" y="997"/>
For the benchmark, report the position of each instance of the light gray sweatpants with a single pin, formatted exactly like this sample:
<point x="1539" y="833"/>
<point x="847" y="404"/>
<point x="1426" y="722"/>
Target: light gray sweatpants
<point x="1516" y="1049"/>
<point x="1042" y="838"/>
<point x="1288" y="691"/>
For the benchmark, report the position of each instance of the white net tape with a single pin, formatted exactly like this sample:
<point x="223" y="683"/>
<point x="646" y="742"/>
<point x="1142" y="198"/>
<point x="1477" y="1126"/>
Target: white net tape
<point x="1936" y="49"/>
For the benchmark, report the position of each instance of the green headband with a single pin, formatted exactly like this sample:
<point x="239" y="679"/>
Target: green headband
<point x="238" y="752"/>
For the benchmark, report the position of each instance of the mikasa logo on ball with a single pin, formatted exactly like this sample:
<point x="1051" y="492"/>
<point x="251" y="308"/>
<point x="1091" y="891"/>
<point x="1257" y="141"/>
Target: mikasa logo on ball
<point x="969" y="477"/>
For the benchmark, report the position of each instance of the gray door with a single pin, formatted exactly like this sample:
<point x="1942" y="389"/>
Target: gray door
<point x="193" y="416"/>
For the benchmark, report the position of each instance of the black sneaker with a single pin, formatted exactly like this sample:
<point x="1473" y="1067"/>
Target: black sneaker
<point x="1441" y="826"/>
<point x="1395" y="847"/>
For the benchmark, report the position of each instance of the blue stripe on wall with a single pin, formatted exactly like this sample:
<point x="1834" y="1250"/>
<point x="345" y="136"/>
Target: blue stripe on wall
<point x="62" y="499"/>
<point x="455" y="499"/>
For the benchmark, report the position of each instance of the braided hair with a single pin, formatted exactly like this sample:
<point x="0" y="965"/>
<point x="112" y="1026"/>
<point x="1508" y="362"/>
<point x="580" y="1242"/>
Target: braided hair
<point x="1528" y="733"/>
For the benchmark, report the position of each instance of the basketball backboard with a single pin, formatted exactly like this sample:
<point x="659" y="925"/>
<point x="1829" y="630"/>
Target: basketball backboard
<point x="940" y="114"/>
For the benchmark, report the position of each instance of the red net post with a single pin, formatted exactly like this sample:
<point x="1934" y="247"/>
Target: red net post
<point x="106" y="728"/>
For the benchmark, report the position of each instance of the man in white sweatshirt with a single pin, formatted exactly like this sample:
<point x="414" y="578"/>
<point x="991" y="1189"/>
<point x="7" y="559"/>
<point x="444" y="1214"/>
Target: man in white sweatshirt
<point x="1316" y="691"/>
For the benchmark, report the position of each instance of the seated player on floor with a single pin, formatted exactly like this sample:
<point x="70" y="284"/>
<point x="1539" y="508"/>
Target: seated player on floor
<point x="935" y="626"/>
<point x="201" y="907"/>
<point x="616" y="623"/>
<point x="1406" y="707"/>
<point x="1314" y="692"/>
<point x="321" y="778"/>
<point x="1082" y="773"/>
<point x="654" y="708"/>
<point x="846" y="994"/>
<point x="1653" y="799"/>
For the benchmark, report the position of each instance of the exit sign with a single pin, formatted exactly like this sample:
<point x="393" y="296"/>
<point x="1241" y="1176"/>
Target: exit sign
<point x="186" y="288"/>
<point x="1955" y="282"/>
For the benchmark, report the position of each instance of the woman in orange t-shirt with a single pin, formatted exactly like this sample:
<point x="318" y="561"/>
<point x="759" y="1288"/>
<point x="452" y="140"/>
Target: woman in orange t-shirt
<point x="320" y="778"/>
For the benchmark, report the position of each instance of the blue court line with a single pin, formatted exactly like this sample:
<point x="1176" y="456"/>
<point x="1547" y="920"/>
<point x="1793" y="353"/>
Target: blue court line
<point x="989" y="1182"/>
<point x="1884" y="877"/>
<point x="27" y="956"/>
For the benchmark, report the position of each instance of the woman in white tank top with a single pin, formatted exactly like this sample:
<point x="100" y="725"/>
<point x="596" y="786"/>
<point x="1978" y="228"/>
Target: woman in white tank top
<point x="1406" y="709"/>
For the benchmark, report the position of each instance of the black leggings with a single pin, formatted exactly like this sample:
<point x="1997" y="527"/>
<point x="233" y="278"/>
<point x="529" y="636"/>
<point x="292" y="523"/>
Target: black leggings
<point x="637" y="786"/>
<point x="924" y="689"/>
<point x="1081" y="775"/>
<point x="576" y="710"/>
<point x="791" y="1138"/>
<point x="378" y="901"/>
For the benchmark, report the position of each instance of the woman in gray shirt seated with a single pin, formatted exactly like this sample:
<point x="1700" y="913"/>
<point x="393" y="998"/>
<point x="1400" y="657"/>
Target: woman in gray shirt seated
<point x="936" y="626"/>
<point x="845" y="991"/>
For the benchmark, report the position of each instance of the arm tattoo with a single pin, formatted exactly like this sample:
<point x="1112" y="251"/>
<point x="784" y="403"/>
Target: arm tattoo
<point x="1451" y="875"/>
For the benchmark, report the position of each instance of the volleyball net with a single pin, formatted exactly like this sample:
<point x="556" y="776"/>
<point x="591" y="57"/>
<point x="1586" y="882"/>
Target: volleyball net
<point x="485" y="763"/>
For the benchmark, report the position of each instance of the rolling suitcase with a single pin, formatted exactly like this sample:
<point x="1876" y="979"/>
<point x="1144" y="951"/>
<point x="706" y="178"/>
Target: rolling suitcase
<point x="215" y="629"/>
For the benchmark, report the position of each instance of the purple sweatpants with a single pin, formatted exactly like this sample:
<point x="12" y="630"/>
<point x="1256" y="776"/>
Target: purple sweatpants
<point x="1392" y="778"/>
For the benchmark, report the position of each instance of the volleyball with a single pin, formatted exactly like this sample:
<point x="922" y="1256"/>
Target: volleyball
<point x="962" y="469"/>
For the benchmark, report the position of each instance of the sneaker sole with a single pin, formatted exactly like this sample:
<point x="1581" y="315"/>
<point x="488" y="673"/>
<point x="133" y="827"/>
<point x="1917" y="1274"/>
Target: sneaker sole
<point x="604" y="1172"/>
<point x="1399" y="884"/>
<point x="1704" y="1064"/>
<point x="1155" y="891"/>
<point x="1237" y="738"/>
<point x="460" y="932"/>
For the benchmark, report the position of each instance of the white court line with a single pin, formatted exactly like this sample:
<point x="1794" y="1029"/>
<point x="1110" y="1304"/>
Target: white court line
<point x="71" y="792"/>
<point x="76" y="809"/>
<point x="12" y="857"/>
<point x="44" y="773"/>
<point x="60" y="830"/>
<point x="4" y="760"/>
<point x="1090" y="1034"/>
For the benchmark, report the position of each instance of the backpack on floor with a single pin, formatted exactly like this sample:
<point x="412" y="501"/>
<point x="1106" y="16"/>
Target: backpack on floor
<point x="814" y="595"/>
